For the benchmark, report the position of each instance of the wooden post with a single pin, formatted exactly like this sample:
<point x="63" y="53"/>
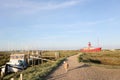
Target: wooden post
<point x="33" y="58"/>
<point x="32" y="61"/>
<point x="57" y="55"/>
<point x="6" y="69"/>
<point x="21" y="77"/>
<point x="37" y="52"/>
<point x="28" y="58"/>
<point x="41" y="60"/>
<point x="1" y="74"/>
<point x="41" y="57"/>
<point x="12" y="79"/>
<point x="38" y="60"/>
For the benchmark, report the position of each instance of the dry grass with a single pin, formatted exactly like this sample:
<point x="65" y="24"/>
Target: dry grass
<point x="4" y="57"/>
<point x="63" y="53"/>
<point x="104" y="57"/>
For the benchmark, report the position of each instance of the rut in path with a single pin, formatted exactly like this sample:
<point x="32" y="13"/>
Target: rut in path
<point x="81" y="71"/>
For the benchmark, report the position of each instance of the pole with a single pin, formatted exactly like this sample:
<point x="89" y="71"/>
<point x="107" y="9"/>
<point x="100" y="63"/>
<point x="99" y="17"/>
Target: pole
<point x="12" y="79"/>
<point x="2" y="75"/>
<point x="21" y="77"/>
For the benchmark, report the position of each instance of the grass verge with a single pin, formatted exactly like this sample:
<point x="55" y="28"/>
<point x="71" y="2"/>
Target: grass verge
<point x="106" y="58"/>
<point x="37" y="72"/>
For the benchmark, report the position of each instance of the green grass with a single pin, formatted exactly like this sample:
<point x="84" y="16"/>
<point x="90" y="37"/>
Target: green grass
<point x="4" y="57"/>
<point x="37" y="72"/>
<point x="104" y="57"/>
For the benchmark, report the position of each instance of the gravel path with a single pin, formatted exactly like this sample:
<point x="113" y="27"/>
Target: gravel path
<point x="81" y="71"/>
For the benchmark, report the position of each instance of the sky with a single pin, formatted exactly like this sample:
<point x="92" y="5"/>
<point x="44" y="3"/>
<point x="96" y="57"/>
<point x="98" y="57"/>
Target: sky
<point x="59" y="24"/>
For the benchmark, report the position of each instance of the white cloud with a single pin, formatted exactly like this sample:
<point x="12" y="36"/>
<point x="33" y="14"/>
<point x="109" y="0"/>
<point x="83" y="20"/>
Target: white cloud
<point x="26" y="6"/>
<point x="72" y="27"/>
<point x="90" y="23"/>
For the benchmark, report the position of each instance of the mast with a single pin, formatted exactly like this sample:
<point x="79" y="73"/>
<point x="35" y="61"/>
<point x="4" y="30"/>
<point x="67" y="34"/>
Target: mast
<point x="89" y="44"/>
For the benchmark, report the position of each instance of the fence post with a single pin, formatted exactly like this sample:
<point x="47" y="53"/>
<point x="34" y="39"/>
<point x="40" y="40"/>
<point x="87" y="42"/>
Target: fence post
<point x="12" y="79"/>
<point x="6" y="69"/>
<point x="28" y="58"/>
<point x="32" y="61"/>
<point x="2" y="75"/>
<point x="41" y="60"/>
<point x="21" y="77"/>
<point x="57" y="55"/>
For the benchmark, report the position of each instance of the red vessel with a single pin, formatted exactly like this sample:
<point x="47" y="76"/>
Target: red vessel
<point x="91" y="49"/>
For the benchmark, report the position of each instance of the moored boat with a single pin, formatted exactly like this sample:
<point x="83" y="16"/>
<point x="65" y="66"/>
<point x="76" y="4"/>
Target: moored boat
<point x="17" y="63"/>
<point x="91" y="49"/>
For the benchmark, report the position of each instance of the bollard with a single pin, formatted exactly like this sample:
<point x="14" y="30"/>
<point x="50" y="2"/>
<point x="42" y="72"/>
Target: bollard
<point x="12" y="79"/>
<point x="57" y="55"/>
<point x="2" y="75"/>
<point x="21" y="77"/>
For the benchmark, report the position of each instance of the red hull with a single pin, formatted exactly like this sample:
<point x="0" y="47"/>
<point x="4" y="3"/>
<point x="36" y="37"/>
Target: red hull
<point x="91" y="50"/>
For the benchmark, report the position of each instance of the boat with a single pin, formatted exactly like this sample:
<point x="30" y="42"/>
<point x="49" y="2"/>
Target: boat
<point x="17" y="62"/>
<point x="90" y="48"/>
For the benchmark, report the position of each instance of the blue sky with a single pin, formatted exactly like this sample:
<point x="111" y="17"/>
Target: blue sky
<point x="59" y="24"/>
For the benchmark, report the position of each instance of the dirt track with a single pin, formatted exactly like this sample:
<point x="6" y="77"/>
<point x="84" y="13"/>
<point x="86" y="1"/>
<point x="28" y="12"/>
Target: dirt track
<point x="81" y="71"/>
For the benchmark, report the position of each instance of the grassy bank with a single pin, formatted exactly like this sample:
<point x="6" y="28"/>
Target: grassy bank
<point x="37" y="72"/>
<point x="104" y="57"/>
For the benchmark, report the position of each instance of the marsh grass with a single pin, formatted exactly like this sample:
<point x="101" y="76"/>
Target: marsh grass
<point x="105" y="57"/>
<point x="4" y="57"/>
